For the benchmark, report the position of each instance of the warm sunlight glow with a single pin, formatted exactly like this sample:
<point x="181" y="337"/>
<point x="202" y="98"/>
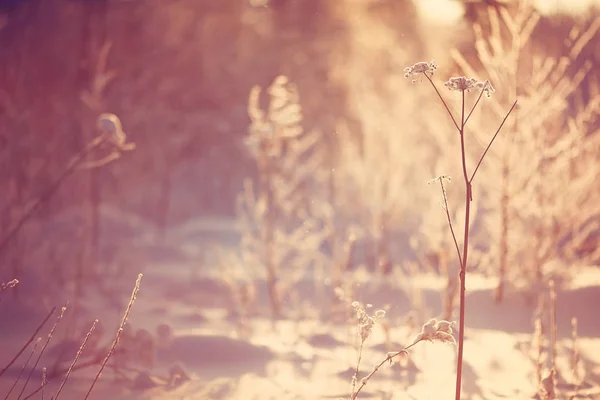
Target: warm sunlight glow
<point x="572" y="7"/>
<point x="343" y="199"/>
<point x="440" y="12"/>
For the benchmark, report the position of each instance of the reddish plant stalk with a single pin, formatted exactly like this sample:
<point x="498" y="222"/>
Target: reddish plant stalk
<point x="463" y="258"/>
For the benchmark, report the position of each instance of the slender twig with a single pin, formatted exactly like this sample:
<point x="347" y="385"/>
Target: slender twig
<point x="450" y="220"/>
<point x="77" y="356"/>
<point x="62" y="312"/>
<point x="36" y="391"/>
<point x="96" y="361"/>
<point x="553" y="328"/>
<point x="389" y="358"/>
<point x="474" y="106"/>
<point x="575" y="354"/>
<point x="28" y="342"/>
<point x="463" y="266"/>
<point x="6" y="286"/>
<point x="37" y="342"/>
<point x="51" y="190"/>
<point x="463" y="270"/>
<point x="492" y="141"/>
<point x="134" y="294"/>
<point x="44" y="381"/>
<point x="443" y="101"/>
<point x="354" y="379"/>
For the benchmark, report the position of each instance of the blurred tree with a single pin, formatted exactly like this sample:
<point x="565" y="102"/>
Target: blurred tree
<point x="514" y="51"/>
<point x="8" y="5"/>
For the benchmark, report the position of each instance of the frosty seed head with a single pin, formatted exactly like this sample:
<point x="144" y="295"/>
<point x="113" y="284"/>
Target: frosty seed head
<point x="464" y="84"/>
<point x="420" y="68"/>
<point x="433" y="330"/>
<point x="366" y="322"/>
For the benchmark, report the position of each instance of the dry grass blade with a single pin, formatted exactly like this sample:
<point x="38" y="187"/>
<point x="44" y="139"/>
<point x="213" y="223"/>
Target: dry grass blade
<point x="50" y="191"/>
<point x="62" y="313"/>
<point x="77" y="356"/>
<point x="44" y="381"/>
<point x="37" y="342"/>
<point x="492" y="141"/>
<point x="134" y="294"/>
<point x="8" y="285"/>
<point x="28" y="342"/>
<point x="388" y="358"/>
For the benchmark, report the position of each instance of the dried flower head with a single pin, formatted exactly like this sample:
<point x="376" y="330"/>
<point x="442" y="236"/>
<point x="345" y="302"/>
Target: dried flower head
<point x="111" y="127"/>
<point x="440" y="178"/>
<point x="434" y="330"/>
<point x="420" y="68"/>
<point x="9" y="284"/>
<point x="366" y="322"/>
<point x="486" y="87"/>
<point x="444" y="326"/>
<point x="464" y="84"/>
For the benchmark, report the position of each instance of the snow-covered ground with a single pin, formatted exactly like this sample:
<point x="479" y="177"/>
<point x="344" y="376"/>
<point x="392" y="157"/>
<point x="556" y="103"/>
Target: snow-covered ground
<point x="306" y="355"/>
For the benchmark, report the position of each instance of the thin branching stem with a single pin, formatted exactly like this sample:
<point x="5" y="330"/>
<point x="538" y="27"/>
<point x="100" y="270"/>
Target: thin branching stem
<point x="36" y="391"/>
<point x="47" y="195"/>
<point x="492" y="141"/>
<point x="44" y="381"/>
<point x="474" y="106"/>
<point x="389" y="358"/>
<point x="443" y="101"/>
<point x="134" y="294"/>
<point x="77" y="356"/>
<point x="31" y="339"/>
<point x="62" y="313"/>
<point x="450" y="220"/>
<point x="463" y="266"/>
<point x="37" y="342"/>
<point x="8" y="285"/>
<point x="93" y="362"/>
<point x="90" y="363"/>
<point x="355" y="378"/>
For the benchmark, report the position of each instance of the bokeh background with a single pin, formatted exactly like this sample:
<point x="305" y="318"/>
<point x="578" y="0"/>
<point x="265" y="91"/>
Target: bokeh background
<point x="179" y="74"/>
<point x="284" y="168"/>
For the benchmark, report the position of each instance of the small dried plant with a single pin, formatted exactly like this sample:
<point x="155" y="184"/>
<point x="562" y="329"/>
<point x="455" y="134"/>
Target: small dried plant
<point x="7" y="285"/>
<point x="115" y="342"/>
<point x="89" y="341"/>
<point x="432" y="331"/>
<point x="550" y="144"/>
<point x="241" y="287"/>
<point x="539" y="335"/>
<point x="575" y="363"/>
<point x="111" y="133"/>
<point x="366" y="323"/>
<point x="281" y="221"/>
<point x="551" y="374"/>
<point x="462" y="85"/>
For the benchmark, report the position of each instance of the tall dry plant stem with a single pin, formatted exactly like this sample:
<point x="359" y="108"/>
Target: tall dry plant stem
<point x="31" y="339"/>
<point x="112" y="134"/>
<point x="548" y="85"/>
<point x="553" y="327"/>
<point x="77" y="356"/>
<point x="389" y="358"/>
<point x="47" y="195"/>
<point x="39" y="357"/>
<point x="134" y="294"/>
<point x="37" y="342"/>
<point x="462" y="85"/>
